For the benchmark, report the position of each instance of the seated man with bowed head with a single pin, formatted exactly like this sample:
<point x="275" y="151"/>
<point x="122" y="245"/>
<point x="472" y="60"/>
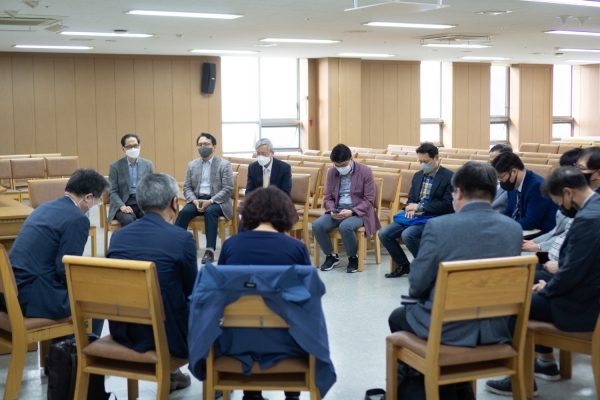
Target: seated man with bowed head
<point x="499" y="203"/>
<point x="430" y="196"/>
<point x="491" y="235"/>
<point x="56" y="228"/>
<point x="207" y="188"/>
<point x="525" y="202"/>
<point x="173" y="251"/>
<point x="589" y="165"/>
<point x="349" y="204"/>
<point x="570" y="299"/>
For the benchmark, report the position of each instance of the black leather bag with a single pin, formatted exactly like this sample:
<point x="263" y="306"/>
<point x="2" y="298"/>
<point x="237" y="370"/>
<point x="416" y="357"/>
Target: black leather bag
<point x="411" y="386"/>
<point x="61" y="368"/>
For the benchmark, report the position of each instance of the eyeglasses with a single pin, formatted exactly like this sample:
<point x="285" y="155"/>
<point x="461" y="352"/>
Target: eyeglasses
<point x="134" y="146"/>
<point x="205" y="144"/>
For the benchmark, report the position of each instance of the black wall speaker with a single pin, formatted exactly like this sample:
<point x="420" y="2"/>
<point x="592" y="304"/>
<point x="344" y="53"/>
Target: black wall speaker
<point x="209" y="77"/>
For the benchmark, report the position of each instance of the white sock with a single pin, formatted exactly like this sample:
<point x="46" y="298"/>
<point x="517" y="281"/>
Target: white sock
<point x="210" y="249"/>
<point x="545" y="363"/>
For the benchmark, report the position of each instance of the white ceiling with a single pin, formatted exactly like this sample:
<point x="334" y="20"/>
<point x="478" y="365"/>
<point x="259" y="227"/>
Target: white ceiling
<point x="516" y="35"/>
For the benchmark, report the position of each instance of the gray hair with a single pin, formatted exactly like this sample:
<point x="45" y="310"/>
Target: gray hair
<point x="156" y="191"/>
<point x="262" y="142"/>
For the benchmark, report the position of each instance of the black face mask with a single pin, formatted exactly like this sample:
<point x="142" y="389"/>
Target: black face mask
<point x="588" y="177"/>
<point x="571" y="212"/>
<point x="508" y="185"/>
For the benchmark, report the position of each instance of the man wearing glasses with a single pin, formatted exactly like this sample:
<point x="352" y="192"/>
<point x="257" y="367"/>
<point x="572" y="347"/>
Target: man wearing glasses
<point x="124" y="175"/>
<point x="208" y="187"/>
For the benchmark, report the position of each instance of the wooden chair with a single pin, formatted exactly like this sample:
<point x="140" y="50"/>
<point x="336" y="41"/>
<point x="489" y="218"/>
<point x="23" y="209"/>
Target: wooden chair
<point x="389" y="157"/>
<point x="13" y="156"/>
<point x="530" y="160"/>
<point x="197" y="223"/>
<point x="554" y="162"/>
<point x="452" y="161"/>
<point x="234" y="167"/>
<point x="44" y="155"/>
<point x="61" y="167"/>
<point x="397" y="164"/>
<point x="466" y="290"/>
<point x="398" y="152"/>
<point x="326" y="154"/>
<point x="293" y="163"/>
<point x="479" y="157"/>
<point x="467" y="151"/>
<point x="415" y="166"/>
<point x="364" y="156"/>
<point x="315" y="180"/>
<point x="446" y="150"/>
<point x="6" y="173"/>
<point x="300" y="194"/>
<point x="563" y="148"/>
<point x="457" y="156"/>
<point x="360" y="234"/>
<point x="390" y="201"/>
<point x="43" y="190"/>
<point x="408" y="158"/>
<point x="26" y="168"/>
<point x="377" y="151"/>
<point x="548" y="148"/>
<point x="453" y="167"/>
<point x="394" y="147"/>
<point x="483" y="152"/>
<point x="543" y="170"/>
<point x="18" y="332"/>
<point x="375" y="163"/>
<point x="535" y="155"/>
<point x="554" y="156"/>
<point x="225" y="373"/>
<point x="134" y="298"/>
<point x="311" y="152"/>
<point x="405" y="185"/>
<point x="529" y="147"/>
<point x="109" y="226"/>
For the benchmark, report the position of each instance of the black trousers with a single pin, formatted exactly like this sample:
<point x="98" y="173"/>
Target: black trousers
<point x="126" y="219"/>
<point x="398" y="322"/>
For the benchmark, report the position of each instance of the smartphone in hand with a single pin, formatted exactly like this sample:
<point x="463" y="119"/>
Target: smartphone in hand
<point x="336" y="211"/>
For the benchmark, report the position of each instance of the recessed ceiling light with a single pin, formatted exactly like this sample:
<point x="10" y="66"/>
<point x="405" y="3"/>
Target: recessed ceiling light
<point x="582" y="33"/>
<point x="35" y="46"/>
<point x="583" y="61"/>
<point x="223" y="51"/>
<point x="183" y="14"/>
<point x="285" y="40"/>
<point x="569" y="2"/>
<point x="128" y="35"/>
<point x="266" y="45"/>
<point x="494" y="12"/>
<point x="458" y="46"/>
<point x="581" y="50"/>
<point x="368" y="55"/>
<point x="409" y="25"/>
<point x="357" y="31"/>
<point x="485" y="58"/>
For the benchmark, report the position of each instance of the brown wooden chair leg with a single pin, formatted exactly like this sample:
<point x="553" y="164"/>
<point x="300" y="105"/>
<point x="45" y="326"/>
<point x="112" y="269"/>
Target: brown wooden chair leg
<point x="391" y="368"/>
<point x="528" y="362"/>
<point x="566" y="364"/>
<point x="44" y="349"/>
<point x="132" y="389"/>
<point x="15" y="371"/>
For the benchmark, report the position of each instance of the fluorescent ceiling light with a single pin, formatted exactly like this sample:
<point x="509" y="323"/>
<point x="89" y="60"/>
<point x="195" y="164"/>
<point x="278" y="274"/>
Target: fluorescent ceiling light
<point x="183" y="14"/>
<point x="485" y="58"/>
<point x="458" y="46"/>
<point x="223" y="51"/>
<point x="569" y="2"/>
<point x="35" y="46"/>
<point x="315" y="41"/>
<point x="580" y="50"/>
<point x="112" y="34"/>
<point x="408" y="25"/>
<point x="365" y="55"/>
<point x="582" y="33"/>
<point x="583" y="61"/>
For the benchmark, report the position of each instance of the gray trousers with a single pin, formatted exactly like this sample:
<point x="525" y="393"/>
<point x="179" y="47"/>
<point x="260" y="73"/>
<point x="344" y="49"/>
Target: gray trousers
<point x="324" y="224"/>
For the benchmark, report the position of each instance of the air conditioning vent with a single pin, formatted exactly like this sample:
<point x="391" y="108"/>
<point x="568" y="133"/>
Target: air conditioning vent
<point x="29" y="20"/>
<point x="455" y="39"/>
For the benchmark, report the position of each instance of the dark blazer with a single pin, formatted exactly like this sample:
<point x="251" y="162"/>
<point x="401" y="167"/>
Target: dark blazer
<point x="54" y="229"/>
<point x="537" y="212"/>
<point x="440" y="197"/>
<point x="574" y="291"/>
<point x="281" y="176"/>
<point x="480" y="232"/>
<point x="118" y="176"/>
<point x="173" y="251"/>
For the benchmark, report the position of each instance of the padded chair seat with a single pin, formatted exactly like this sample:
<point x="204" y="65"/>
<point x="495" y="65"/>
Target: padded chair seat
<point x="546" y="327"/>
<point x="106" y="347"/>
<point x="31" y="323"/>
<point x="23" y="190"/>
<point x="316" y="212"/>
<point x="232" y="365"/>
<point x="115" y="223"/>
<point x="452" y="355"/>
<point x="384" y="215"/>
<point x="299" y="207"/>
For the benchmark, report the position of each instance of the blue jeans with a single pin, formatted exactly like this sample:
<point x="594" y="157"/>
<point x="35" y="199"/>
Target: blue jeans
<point x="211" y="220"/>
<point x="324" y="224"/>
<point x="411" y="237"/>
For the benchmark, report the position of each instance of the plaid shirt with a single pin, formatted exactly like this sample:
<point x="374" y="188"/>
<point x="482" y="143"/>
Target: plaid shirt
<point x="425" y="190"/>
<point x="558" y="242"/>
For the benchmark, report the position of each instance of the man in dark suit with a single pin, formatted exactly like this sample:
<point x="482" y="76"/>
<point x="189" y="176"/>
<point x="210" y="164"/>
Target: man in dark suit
<point x="499" y="203"/>
<point x="589" y="165"/>
<point x="278" y="173"/>
<point x="526" y="205"/>
<point x="570" y="299"/>
<point x="430" y="195"/>
<point x="484" y="233"/>
<point x="54" y="229"/>
<point x="124" y="175"/>
<point x="173" y="251"/>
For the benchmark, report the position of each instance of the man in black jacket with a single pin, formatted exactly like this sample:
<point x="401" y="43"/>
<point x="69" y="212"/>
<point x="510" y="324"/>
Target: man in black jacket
<point x="430" y="196"/>
<point x="278" y="173"/>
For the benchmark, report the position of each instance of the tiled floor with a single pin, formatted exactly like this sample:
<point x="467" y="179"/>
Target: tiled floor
<point x="356" y="308"/>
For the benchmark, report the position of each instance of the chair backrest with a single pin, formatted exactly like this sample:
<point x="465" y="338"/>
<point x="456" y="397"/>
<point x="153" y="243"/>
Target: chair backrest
<point x="483" y="152"/>
<point x="44" y="155"/>
<point x="8" y="287"/>
<point x="364" y="155"/>
<point x="554" y="156"/>
<point x="457" y="156"/>
<point x="235" y="167"/>
<point x="28" y="168"/>
<point x="394" y="147"/>
<point x="531" y="160"/>
<point x="453" y="167"/>
<point x="563" y="148"/>
<point x="300" y="193"/>
<point x="405" y="185"/>
<point x="485" y="288"/>
<point x="466" y="151"/>
<point x="375" y="163"/>
<point x="58" y="167"/>
<point x="5" y="171"/>
<point x="383" y="169"/>
<point x="43" y="190"/>
<point x="408" y="158"/>
<point x="390" y="192"/>
<point x="315" y="174"/>
<point x="242" y="176"/>
<point x="326" y="154"/>
<point x="414" y="166"/>
<point x="311" y="152"/>
<point x="390" y="157"/>
<point x="554" y="162"/>
<point x="398" y="152"/>
<point x="547" y="148"/>
<point x="446" y="150"/>
<point x="530" y="147"/>
<point x="397" y="164"/>
<point x="446" y="161"/>
<point x="376" y="151"/>
<point x="535" y="155"/>
<point x="11" y="156"/>
<point x="313" y="164"/>
<point x="378" y="193"/>
<point x="251" y="312"/>
<point x="134" y="296"/>
<point x="479" y="157"/>
<point x="241" y="160"/>
<point x="293" y="163"/>
<point x="543" y="170"/>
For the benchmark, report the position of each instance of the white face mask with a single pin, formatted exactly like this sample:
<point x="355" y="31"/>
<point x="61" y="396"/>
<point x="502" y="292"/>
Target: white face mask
<point x="133" y="153"/>
<point x="91" y="210"/>
<point x="344" y="170"/>
<point x="262" y="160"/>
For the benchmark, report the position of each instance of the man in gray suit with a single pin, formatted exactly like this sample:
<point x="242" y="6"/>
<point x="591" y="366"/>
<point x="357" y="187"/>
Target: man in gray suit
<point x="208" y="187"/>
<point x="484" y="233"/>
<point x="124" y="175"/>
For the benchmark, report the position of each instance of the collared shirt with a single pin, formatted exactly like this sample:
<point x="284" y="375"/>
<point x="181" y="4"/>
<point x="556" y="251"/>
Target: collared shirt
<point x="204" y="189"/>
<point x="426" y="189"/>
<point x="133" y="176"/>
<point x="345" y="200"/>
<point x="554" y="252"/>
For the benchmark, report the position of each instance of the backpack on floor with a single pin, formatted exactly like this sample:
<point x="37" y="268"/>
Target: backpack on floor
<point x="61" y="368"/>
<point x="411" y="386"/>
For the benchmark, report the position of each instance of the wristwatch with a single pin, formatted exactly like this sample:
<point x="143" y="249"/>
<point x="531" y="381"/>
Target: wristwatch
<point x="539" y="247"/>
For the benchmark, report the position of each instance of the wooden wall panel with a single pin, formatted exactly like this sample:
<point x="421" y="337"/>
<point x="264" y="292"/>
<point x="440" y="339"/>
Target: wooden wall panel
<point x="586" y="100"/>
<point x="163" y="115"/>
<point x="45" y="107"/>
<point x="182" y="116"/>
<point x="200" y="115"/>
<point x="23" y="105"/>
<point x="376" y="86"/>
<point x="85" y="107"/>
<point x="7" y="125"/>
<point x="365" y="93"/>
<point x="106" y="125"/>
<point x="66" y="116"/>
<point x="125" y="105"/>
<point x="350" y="102"/>
<point x="144" y="106"/>
<point x="390" y="104"/>
<point x="215" y="126"/>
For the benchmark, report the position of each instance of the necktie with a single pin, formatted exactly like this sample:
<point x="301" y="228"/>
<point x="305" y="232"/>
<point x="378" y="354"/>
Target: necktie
<point x="265" y="177"/>
<point x="517" y="212"/>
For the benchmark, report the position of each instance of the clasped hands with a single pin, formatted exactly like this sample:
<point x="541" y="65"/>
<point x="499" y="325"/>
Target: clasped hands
<point x="126" y="209"/>
<point x="343" y="214"/>
<point x="201" y="205"/>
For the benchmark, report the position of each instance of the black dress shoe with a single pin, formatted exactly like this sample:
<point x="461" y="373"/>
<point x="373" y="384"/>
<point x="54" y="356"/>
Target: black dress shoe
<point x="208" y="256"/>
<point x="400" y="270"/>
